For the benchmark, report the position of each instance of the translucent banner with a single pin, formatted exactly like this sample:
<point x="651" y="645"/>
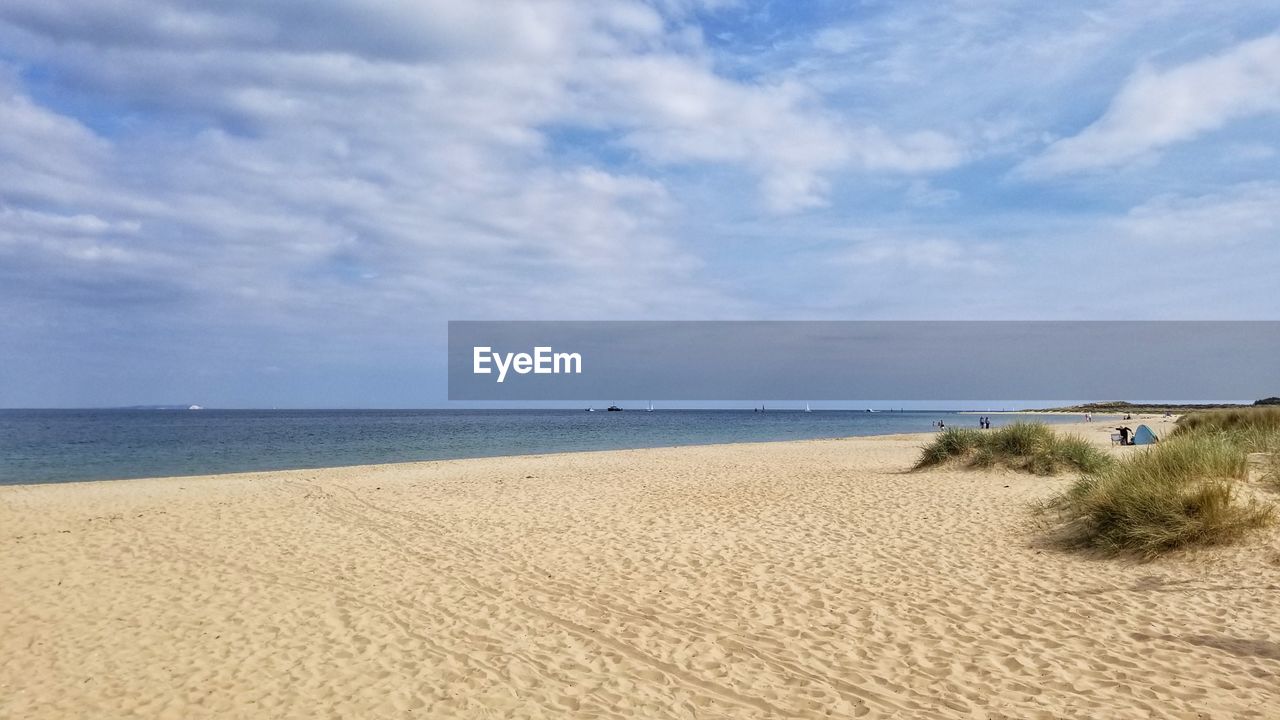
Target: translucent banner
<point x="863" y="360"/>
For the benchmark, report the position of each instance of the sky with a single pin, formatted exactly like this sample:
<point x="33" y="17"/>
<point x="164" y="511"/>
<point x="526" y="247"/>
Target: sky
<point x="256" y="204"/>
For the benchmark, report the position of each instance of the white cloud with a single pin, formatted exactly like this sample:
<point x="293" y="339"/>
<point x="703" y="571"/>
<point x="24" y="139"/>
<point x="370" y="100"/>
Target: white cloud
<point x="1235" y="215"/>
<point x="1158" y="108"/>
<point x="614" y="66"/>
<point x="370" y="169"/>
<point x="278" y="175"/>
<point x="920" y="193"/>
<point x="923" y="254"/>
<point x="307" y="180"/>
<point x="42" y="152"/>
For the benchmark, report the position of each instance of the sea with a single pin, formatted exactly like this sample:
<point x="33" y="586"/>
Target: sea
<point x="50" y="446"/>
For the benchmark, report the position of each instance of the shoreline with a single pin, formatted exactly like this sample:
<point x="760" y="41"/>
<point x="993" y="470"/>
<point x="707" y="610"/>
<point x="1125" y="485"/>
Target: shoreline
<point x="500" y="454"/>
<point x="407" y="464"/>
<point x="1059" y="413"/>
<point x="923" y="436"/>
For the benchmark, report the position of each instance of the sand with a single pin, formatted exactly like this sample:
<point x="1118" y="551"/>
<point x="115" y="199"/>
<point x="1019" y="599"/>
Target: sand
<point x="798" y="579"/>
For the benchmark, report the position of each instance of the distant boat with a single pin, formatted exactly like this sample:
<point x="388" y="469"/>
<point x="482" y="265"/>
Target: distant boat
<point x="614" y="408"/>
<point x="806" y="408"/>
<point x="650" y="408"/>
<point x="870" y="410"/>
<point x="591" y="409"/>
<point x="195" y="407"/>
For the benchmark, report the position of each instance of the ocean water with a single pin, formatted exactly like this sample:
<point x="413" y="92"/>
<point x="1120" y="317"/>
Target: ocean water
<point x="40" y="446"/>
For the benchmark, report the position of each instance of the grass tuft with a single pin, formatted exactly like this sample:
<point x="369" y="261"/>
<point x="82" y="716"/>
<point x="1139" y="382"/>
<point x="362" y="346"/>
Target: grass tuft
<point x="1077" y="453"/>
<point x="1184" y="491"/>
<point x="950" y="443"/>
<point x="1255" y="421"/>
<point x="1030" y="447"/>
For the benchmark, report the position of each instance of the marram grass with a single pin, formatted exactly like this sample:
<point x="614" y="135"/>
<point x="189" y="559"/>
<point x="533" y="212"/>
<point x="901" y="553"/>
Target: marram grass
<point x="1185" y="491"/>
<point x="1256" y="420"/>
<point x="1253" y="430"/>
<point x="1030" y="447"/>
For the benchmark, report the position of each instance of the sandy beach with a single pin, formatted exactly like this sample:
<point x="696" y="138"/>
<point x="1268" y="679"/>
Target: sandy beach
<point x="790" y="579"/>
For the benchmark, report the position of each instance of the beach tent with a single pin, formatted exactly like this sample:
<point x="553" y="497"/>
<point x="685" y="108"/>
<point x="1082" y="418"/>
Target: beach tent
<point x="1144" y="436"/>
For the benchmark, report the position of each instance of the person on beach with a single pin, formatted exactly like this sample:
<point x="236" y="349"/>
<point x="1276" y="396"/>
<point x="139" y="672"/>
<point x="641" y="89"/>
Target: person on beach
<point x="1124" y="435"/>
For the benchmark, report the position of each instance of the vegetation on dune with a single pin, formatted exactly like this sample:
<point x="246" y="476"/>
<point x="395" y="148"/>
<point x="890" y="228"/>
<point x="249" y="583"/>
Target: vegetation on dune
<point x="1258" y="421"/>
<point x="1120" y="406"/>
<point x="1184" y="491"/>
<point x="1188" y="490"/>
<point x="1253" y="430"/>
<point x="1116" y="407"/>
<point x="1030" y="447"/>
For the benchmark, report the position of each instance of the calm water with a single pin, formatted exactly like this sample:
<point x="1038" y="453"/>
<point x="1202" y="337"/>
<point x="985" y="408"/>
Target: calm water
<point x="65" y="445"/>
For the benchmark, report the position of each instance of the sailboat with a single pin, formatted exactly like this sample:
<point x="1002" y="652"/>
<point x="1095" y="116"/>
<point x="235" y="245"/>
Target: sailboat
<point x="650" y="408"/>
<point x="806" y="408"/>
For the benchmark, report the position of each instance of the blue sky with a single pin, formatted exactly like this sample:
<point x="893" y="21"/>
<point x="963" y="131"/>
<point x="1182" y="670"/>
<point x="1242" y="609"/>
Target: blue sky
<point x="281" y="203"/>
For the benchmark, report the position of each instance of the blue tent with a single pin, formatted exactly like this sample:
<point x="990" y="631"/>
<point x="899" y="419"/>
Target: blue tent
<point x="1144" y="436"/>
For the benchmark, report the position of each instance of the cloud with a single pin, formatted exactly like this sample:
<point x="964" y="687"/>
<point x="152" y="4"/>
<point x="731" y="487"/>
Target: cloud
<point x="43" y="153"/>
<point x="985" y="76"/>
<point x="1158" y="108"/>
<point x="922" y="194"/>
<point x="297" y="185"/>
<point x="614" y="66"/>
<point x="333" y="174"/>
<point x="674" y="111"/>
<point x="923" y="254"/>
<point x="1241" y="214"/>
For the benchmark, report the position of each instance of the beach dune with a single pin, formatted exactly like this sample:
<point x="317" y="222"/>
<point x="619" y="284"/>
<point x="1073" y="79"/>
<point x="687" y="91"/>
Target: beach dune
<point x="800" y="579"/>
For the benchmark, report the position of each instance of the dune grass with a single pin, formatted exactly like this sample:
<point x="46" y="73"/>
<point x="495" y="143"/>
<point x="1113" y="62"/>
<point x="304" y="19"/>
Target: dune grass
<point x="1256" y="421"/>
<point x="1253" y="430"/>
<point x="1184" y="491"/>
<point x="1030" y="447"/>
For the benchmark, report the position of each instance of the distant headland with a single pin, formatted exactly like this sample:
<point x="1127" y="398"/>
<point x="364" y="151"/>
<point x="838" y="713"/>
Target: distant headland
<point x="1120" y="406"/>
